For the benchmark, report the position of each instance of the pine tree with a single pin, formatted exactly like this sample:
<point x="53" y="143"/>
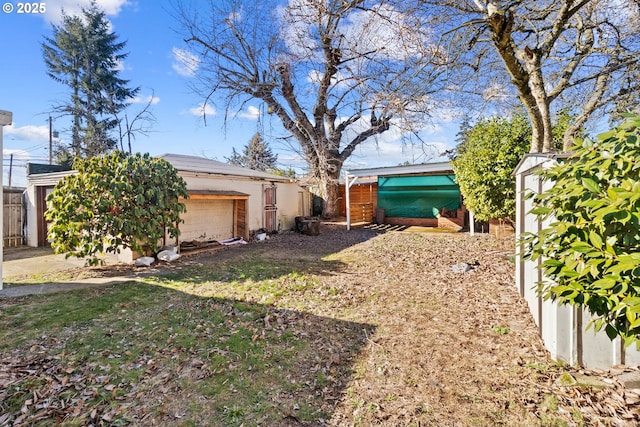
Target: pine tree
<point x="256" y="155"/>
<point x="236" y="158"/>
<point x="84" y="55"/>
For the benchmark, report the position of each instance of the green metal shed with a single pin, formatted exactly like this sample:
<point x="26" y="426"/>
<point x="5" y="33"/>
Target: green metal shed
<point x="413" y="191"/>
<point x="417" y="196"/>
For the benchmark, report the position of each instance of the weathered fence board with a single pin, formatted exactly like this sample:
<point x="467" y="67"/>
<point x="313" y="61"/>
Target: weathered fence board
<point x="13" y="217"/>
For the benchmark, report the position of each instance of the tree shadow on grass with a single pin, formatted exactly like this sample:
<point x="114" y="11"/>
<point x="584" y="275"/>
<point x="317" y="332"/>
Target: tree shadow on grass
<point x="281" y="254"/>
<point x="145" y="354"/>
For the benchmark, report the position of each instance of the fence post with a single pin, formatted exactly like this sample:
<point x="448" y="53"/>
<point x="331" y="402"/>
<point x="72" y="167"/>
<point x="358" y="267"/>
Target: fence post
<point x="6" y="117"/>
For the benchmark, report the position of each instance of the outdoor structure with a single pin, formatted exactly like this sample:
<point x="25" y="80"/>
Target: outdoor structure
<point x="563" y="328"/>
<point x="422" y="195"/>
<point x="224" y="201"/>
<point x="241" y="200"/>
<point x="41" y="178"/>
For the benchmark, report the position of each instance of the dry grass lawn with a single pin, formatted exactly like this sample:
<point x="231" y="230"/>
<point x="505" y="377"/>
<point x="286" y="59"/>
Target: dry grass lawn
<point x="341" y="329"/>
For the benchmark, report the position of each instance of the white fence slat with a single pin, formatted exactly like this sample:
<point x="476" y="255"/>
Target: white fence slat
<point x="563" y="328"/>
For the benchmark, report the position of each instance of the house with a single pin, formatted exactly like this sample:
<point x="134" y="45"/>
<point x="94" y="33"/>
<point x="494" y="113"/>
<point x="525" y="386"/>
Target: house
<point x="422" y="195"/>
<point x="224" y="201"/>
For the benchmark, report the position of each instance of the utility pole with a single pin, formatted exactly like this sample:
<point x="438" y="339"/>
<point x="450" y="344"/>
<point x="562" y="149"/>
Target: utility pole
<point x="10" y="169"/>
<point x="50" y="141"/>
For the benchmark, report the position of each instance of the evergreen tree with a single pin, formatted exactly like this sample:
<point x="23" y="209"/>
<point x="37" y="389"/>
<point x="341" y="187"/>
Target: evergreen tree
<point x="256" y="155"/>
<point x="236" y="158"/>
<point x="486" y="156"/>
<point x="484" y="161"/>
<point x="84" y="55"/>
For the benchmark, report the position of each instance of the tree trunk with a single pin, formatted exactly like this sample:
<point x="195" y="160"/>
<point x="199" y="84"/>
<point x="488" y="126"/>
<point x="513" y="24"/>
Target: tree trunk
<point x="526" y="77"/>
<point x="330" y="187"/>
<point x="332" y="201"/>
<point x="542" y="135"/>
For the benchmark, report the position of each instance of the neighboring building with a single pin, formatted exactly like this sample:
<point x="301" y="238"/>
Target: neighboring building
<point x="423" y="195"/>
<point x="224" y="201"/>
<point x="231" y="201"/>
<point x="39" y="185"/>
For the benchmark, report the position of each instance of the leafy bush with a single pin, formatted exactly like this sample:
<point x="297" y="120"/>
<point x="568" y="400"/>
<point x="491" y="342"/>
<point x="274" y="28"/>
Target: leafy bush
<point x="115" y="201"/>
<point x="590" y="249"/>
<point x="484" y="164"/>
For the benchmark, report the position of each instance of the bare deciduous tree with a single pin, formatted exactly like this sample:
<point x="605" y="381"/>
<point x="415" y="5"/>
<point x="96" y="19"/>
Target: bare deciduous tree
<point x="580" y="54"/>
<point x="336" y="73"/>
<point x="140" y="124"/>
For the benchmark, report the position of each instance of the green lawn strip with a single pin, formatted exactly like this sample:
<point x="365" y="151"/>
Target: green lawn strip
<point x="225" y="339"/>
<point x="257" y="281"/>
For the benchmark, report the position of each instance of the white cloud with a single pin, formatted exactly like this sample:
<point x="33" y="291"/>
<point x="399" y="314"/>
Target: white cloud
<point x="621" y="12"/>
<point x="370" y="30"/>
<point x="339" y="80"/>
<point x="153" y="100"/>
<point x="387" y="151"/>
<point x="297" y="18"/>
<point x="28" y="133"/>
<point x="495" y="91"/>
<point x="74" y="7"/>
<point x="120" y="66"/>
<point x="251" y="113"/>
<point x="203" y="110"/>
<point x="384" y="30"/>
<point x="185" y="63"/>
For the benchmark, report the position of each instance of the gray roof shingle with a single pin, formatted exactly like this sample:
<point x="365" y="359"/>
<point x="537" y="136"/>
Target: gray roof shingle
<point x="202" y="165"/>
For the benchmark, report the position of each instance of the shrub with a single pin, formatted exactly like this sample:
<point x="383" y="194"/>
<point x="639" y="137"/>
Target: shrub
<point x="115" y="201"/>
<point x="590" y="250"/>
<point x="484" y="164"/>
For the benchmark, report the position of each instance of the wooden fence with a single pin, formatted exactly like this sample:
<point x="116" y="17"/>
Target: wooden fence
<point x="562" y="327"/>
<point x="13" y="217"/>
<point x="361" y="213"/>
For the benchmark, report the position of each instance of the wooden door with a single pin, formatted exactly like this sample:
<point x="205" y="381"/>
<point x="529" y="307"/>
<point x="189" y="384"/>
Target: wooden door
<point x="270" y="221"/>
<point x="41" y="207"/>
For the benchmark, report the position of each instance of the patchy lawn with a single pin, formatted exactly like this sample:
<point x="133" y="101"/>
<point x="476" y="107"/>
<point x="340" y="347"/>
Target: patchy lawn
<point x="344" y="328"/>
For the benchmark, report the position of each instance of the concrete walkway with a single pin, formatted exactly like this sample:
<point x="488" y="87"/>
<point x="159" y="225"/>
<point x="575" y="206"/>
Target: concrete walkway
<point x="49" y="288"/>
<point x="27" y="261"/>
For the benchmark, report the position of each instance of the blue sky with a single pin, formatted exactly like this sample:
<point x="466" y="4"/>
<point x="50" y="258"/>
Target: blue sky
<point x="156" y="64"/>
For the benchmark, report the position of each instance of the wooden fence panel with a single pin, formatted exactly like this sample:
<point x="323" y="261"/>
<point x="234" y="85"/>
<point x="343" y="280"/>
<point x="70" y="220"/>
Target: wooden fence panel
<point x="13" y="218"/>
<point x="361" y="213"/>
<point x="359" y="194"/>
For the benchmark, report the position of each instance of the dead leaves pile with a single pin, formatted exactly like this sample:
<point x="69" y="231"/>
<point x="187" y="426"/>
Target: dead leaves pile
<point x="47" y="390"/>
<point x="599" y="396"/>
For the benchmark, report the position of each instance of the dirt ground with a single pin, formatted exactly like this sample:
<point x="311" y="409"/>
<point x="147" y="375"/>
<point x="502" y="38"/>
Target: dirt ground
<point x="460" y="348"/>
<point x="452" y="348"/>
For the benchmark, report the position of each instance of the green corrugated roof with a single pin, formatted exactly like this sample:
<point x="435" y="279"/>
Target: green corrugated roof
<point x="416" y="182"/>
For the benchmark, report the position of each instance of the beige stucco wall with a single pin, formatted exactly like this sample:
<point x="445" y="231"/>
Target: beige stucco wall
<point x="289" y="197"/>
<point x="31" y="229"/>
<point x="213" y="217"/>
<point x="41" y="180"/>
